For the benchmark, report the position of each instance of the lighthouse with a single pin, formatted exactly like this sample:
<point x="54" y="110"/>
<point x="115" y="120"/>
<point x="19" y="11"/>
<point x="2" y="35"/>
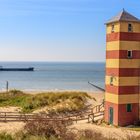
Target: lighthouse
<point x="122" y="80"/>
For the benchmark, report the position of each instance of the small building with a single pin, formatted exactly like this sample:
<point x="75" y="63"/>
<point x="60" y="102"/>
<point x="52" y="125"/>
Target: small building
<point x="122" y="70"/>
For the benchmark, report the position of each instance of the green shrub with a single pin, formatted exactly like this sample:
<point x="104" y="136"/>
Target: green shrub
<point x="4" y="136"/>
<point x="30" y="102"/>
<point x="15" y="92"/>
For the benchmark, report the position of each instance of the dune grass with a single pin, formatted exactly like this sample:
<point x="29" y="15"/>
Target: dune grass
<point x="31" y="102"/>
<point x="135" y="128"/>
<point x="63" y="134"/>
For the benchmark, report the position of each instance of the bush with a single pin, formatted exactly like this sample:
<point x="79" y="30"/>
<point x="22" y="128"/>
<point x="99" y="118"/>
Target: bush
<point x="131" y="136"/>
<point x="90" y="135"/>
<point x="15" y="92"/>
<point x="26" y="136"/>
<point x="30" y="102"/>
<point x="41" y="130"/>
<point x="45" y="128"/>
<point x="4" y="136"/>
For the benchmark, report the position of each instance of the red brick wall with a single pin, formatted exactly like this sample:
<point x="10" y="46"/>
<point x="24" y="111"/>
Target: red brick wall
<point x="126" y="118"/>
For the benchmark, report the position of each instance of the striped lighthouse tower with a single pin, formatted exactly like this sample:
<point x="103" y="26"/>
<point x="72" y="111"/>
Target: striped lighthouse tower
<point x="122" y="70"/>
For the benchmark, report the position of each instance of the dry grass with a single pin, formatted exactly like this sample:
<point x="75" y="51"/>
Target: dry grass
<point x="65" y="101"/>
<point x="58" y="131"/>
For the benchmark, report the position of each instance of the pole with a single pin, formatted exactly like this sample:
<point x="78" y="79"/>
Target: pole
<point x="101" y="89"/>
<point x="7" y="86"/>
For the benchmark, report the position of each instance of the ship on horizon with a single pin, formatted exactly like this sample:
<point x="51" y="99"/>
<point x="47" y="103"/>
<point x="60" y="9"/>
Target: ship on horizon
<point x="16" y="69"/>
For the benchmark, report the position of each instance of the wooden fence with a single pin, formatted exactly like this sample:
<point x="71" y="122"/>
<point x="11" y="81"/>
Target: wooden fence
<point x="89" y="114"/>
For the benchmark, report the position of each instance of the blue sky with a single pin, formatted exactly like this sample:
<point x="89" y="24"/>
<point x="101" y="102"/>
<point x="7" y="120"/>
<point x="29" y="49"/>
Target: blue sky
<point x="57" y="30"/>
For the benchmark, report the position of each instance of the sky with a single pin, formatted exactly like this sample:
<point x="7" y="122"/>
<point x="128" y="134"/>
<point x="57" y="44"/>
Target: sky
<point x="57" y="30"/>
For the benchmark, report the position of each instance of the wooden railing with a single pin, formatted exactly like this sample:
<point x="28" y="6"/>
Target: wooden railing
<point x="85" y="114"/>
<point x="95" y="116"/>
<point x="97" y="108"/>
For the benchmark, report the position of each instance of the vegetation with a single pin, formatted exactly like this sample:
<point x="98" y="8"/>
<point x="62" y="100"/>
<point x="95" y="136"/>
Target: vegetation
<point x="134" y="128"/>
<point x="4" y="136"/>
<point x="43" y="130"/>
<point x="69" y="101"/>
<point x="49" y="130"/>
<point x="58" y="130"/>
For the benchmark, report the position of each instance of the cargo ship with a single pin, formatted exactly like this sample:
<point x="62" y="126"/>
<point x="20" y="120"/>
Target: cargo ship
<point x="16" y="69"/>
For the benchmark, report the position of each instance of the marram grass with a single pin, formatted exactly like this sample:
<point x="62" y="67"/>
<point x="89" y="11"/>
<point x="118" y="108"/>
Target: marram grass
<point x="31" y="102"/>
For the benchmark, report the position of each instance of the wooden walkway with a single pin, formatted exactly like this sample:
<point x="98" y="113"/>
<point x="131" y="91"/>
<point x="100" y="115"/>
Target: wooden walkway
<point x="91" y="115"/>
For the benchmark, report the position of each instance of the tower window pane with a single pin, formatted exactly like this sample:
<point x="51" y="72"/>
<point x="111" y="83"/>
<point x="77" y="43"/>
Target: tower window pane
<point x="111" y="80"/>
<point x="113" y="27"/>
<point x="129" y="54"/>
<point x="129" y="107"/>
<point x="130" y="27"/>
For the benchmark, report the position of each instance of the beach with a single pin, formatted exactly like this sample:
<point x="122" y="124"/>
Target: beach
<point x="107" y="130"/>
<point x="13" y="127"/>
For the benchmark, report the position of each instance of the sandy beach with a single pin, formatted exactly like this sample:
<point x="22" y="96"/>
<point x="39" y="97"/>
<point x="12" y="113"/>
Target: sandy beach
<point x="107" y="131"/>
<point x="13" y="127"/>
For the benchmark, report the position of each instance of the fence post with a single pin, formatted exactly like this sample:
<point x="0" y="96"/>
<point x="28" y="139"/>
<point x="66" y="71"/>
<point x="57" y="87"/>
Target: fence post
<point x="7" y="86"/>
<point x="5" y="116"/>
<point x="88" y="119"/>
<point x="93" y="118"/>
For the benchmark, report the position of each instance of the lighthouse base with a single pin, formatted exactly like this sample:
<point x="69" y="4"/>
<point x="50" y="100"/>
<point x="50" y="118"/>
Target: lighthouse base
<point x="117" y="114"/>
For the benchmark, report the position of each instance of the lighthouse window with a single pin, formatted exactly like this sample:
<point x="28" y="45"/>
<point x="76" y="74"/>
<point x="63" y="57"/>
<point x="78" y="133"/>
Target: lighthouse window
<point x="129" y="54"/>
<point x="111" y="80"/>
<point x="129" y="107"/>
<point x="113" y="27"/>
<point x="130" y="27"/>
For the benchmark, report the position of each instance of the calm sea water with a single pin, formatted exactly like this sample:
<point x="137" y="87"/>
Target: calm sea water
<point x="53" y="76"/>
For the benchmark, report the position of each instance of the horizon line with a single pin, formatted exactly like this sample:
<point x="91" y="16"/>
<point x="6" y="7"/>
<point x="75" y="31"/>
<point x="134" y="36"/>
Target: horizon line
<point x="58" y="61"/>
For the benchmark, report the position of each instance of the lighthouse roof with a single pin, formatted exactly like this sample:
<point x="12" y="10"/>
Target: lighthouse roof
<point x="123" y="16"/>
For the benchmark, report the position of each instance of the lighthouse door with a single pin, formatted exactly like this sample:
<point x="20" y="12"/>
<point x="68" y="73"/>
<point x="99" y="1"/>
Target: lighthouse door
<point x="111" y="115"/>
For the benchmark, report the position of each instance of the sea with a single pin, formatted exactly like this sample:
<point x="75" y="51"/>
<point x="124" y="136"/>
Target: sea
<point x="53" y="76"/>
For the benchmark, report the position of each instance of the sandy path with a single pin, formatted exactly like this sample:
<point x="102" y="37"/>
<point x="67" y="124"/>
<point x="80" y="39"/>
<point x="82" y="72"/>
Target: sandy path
<point x="11" y="127"/>
<point x="107" y="131"/>
<point x="10" y="109"/>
